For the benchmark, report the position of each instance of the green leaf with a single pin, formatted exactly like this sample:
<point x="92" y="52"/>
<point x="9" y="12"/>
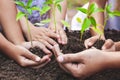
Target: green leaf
<point x="93" y="21"/>
<point x="45" y="21"/>
<point x="79" y="19"/>
<point x="57" y="1"/>
<point x="35" y="8"/>
<point x="19" y="15"/>
<point x="19" y="3"/>
<point x="29" y="3"/>
<point x="29" y="11"/>
<point x="108" y="8"/>
<point x="116" y="13"/>
<point x="44" y="10"/>
<point x="92" y="8"/>
<point x="110" y="15"/>
<point x="66" y="24"/>
<point x="97" y="30"/>
<point x="86" y="24"/>
<point x="59" y="7"/>
<point x="83" y="10"/>
<point x="48" y="2"/>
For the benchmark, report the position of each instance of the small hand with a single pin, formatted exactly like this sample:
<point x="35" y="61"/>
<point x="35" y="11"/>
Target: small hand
<point x="43" y="35"/>
<point x="82" y="64"/>
<point x="90" y="41"/>
<point x="25" y="58"/>
<point x="59" y="30"/>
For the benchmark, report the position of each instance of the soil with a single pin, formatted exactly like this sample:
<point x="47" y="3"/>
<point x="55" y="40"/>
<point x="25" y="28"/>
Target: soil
<point x="9" y="70"/>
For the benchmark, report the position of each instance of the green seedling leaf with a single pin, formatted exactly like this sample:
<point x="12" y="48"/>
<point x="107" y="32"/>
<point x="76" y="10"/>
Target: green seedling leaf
<point x="29" y="11"/>
<point x="92" y="8"/>
<point x="35" y="8"/>
<point x="83" y="10"/>
<point x="29" y="3"/>
<point x="93" y="21"/>
<point x="110" y="15"/>
<point x="86" y="24"/>
<point x="19" y="15"/>
<point x="108" y="9"/>
<point x="116" y="13"/>
<point x="79" y="19"/>
<point x="97" y="30"/>
<point x="59" y="7"/>
<point x="44" y="10"/>
<point x="19" y="3"/>
<point x="66" y="24"/>
<point x="48" y="2"/>
<point x="57" y="1"/>
<point x="45" y="21"/>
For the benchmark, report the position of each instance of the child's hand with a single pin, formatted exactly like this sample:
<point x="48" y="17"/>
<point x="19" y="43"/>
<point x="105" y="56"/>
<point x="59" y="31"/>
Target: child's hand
<point x="28" y="45"/>
<point x="43" y="35"/>
<point x="82" y="64"/>
<point x="25" y="58"/>
<point x="90" y="41"/>
<point x="109" y="45"/>
<point x="60" y="31"/>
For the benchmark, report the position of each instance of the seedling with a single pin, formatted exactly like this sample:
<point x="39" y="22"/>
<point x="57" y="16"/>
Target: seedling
<point x="28" y="8"/>
<point x="89" y="20"/>
<point x="56" y="4"/>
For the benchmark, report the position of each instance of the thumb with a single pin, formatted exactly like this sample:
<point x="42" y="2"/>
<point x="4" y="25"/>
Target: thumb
<point x="31" y="56"/>
<point x="67" y="58"/>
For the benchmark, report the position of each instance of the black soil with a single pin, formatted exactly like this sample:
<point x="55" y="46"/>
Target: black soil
<point x="9" y="70"/>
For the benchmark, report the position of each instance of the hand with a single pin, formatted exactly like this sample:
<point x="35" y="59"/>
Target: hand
<point x="59" y="30"/>
<point x="25" y="58"/>
<point x="90" y="41"/>
<point x="43" y="35"/>
<point x="28" y="45"/>
<point x="109" y="45"/>
<point x="82" y="64"/>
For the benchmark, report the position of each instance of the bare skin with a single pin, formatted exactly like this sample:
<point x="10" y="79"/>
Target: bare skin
<point x="88" y="62"/>
<point x="20" y="54"/>
<point x="59" y="25"/>
<point x="45" y="35"/>
<point x="99" y="17"/>
<point x="14" y="34"/>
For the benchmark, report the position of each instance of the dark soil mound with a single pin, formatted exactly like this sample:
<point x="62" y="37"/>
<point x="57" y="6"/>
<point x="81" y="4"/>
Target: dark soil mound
<point x="9" y="70"/>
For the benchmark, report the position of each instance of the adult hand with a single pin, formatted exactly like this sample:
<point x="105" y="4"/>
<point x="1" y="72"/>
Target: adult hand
<point x="25" y="58"/>
<point x="60" y="31"/>
<point x="82" y="64"/>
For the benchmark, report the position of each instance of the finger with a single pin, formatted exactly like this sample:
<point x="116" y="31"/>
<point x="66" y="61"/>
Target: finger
<point x="68" y="58"/>
<point x="52" y="34"/>
<point x="43" y="62"/>
<point x="43" y="48"/>
<point x="50" y="40"/>
<point x="46" y="43"/>
<point x="63" y="37"/>
<point x="31" y="56"/>
<point x="108" y="44"/>
<point x="57" y="50"/>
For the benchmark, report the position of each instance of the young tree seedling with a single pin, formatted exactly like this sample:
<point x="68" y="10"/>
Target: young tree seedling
<point x="28" y="8"/>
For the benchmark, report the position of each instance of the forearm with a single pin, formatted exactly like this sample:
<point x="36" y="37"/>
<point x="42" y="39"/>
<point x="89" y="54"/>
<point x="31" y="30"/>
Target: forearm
<point x="113" y="59"/>
<point x="99" y="17"/>
<point x="59" y="15"/>
<point x="9" y="24"/>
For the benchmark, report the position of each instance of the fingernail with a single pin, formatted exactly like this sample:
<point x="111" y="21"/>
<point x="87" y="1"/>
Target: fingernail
<point x="37" y="59"/>
<point x="60" y="59"/>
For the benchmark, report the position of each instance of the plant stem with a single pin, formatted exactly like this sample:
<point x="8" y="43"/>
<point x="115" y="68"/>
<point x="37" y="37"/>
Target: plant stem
<point x="54" y="12"/>
<point x="81" y="36"/>
<point x="29" y="31"/>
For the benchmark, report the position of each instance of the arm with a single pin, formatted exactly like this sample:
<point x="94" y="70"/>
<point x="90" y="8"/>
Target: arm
<point x="87" y="62"/>
<point x="59" y="26"/>
<point x="10" y="26"/>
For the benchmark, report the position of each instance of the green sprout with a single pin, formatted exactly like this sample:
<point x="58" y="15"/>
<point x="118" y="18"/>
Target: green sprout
<point x="28" y="11"/>
<point x="56" y="4"/>
<point x="89" y="20"/>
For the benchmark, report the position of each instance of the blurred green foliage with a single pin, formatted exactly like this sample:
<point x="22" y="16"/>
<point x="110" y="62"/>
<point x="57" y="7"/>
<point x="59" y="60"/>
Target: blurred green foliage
<point x="76" y="3"/>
